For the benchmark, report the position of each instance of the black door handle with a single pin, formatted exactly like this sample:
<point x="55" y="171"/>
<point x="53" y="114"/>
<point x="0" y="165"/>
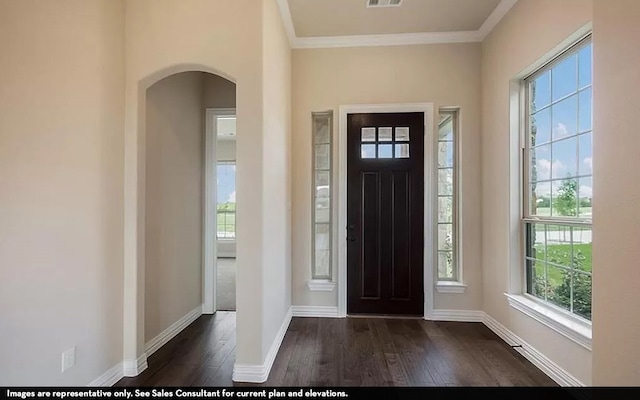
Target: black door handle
<point x="351" y="238"/>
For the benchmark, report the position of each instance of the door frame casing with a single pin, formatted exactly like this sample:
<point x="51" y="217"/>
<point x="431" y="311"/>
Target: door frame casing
<point x="210" y="236"/>
<point x="340" y="231"/>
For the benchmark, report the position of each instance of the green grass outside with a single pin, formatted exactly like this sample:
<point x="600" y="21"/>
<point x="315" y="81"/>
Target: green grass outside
<point x="560" y="254"/>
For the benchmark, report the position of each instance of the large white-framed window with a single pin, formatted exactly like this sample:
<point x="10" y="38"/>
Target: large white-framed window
<point x="557" y="183"/>
<point x="322" y="187"/>
<point x="447" y="192"/>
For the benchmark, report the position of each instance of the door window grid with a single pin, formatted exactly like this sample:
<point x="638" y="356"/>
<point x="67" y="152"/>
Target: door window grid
<point x="558" y="182"/>
<point x="321" y="235"/>
<point x="384" y="142"/>
<point x="447" y="196"/>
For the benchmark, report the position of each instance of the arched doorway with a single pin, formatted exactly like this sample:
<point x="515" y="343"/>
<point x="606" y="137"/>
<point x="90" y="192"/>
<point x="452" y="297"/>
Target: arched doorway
<point x="169" y="240"/>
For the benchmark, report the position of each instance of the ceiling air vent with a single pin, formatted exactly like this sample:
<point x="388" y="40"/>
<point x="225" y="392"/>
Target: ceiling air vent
<point x="383" y="3"/>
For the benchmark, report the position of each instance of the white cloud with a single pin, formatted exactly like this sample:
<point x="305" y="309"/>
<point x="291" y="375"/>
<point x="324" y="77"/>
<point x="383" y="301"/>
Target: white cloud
<point x="232" y="197"/>
<point x="560" y="130"/>
<point x="544" y="168"/>
<point x="586" y="191"/>
<point x="588" y="162"/>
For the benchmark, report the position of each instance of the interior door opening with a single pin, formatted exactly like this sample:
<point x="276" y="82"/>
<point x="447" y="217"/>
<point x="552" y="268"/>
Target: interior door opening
<point x="223" y="125"/>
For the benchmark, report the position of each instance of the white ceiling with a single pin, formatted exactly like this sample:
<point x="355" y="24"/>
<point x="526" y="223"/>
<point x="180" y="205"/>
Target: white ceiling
<point x="352" y="17"/>
<point x="340" y="23"/>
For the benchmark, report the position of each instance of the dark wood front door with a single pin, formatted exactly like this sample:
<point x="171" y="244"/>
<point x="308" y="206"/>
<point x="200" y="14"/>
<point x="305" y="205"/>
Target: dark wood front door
<point x="385" y="213"/>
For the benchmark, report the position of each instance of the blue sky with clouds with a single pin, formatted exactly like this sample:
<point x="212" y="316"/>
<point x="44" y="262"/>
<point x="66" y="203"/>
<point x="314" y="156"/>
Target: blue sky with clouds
<point x="563" y="104"/>
<point x="226" y="175"/>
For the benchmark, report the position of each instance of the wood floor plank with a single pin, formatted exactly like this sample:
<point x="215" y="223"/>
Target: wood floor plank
<point x="324" y="372"/>
<point x="299" y="369"/>
<point x="346" y="352"/>
<point x="279" y="369"/>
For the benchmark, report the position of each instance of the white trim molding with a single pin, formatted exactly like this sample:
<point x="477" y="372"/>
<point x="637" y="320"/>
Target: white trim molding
<point x="287" y="21"/>
<point x="109" y="378"/>
<point x="172" y="331"/>
<point x="210" y="247"/>
<point x="450" y="287"/>
<point x="315" y="311"/>
<point x="428" y="109"/>
<point x="457" y="315"/>
<point x="135" y="367"/>
<point x="577" y="331"/>
<point x="260" y="373"/>
<point x="395" y="39"/>
<point x="553" y="370"/>
<point x="495" y="17"/>
<point x="316" y="285"/>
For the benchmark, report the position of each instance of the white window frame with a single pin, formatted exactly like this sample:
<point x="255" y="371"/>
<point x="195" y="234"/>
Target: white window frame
<point x="324" y="283"/>
<point x="454" y="284"/>
<point x="563" y="322"/>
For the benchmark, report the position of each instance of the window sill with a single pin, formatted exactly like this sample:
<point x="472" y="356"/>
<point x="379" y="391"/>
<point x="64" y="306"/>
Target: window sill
<point x="451" y="287"/>
<point x="571" y="328"/>
<point x="317" y="285"/>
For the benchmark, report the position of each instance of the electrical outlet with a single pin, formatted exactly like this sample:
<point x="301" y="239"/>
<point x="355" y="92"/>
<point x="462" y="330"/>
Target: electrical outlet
<point x="68" y="358"/>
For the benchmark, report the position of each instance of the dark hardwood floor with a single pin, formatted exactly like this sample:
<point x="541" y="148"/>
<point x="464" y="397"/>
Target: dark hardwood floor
<point x="347" y="352"/>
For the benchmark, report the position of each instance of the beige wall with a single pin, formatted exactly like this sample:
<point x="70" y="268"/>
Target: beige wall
<point x="324" y="79"/>
<point x="61" y="169"/>
<point x="276" y="174"/>
<point x="529" y="31"/>
<point x="224" y="37"/>
<point x="174" y="200"/>
<point x="218" y="92"/>
<point x="616" y="283"/>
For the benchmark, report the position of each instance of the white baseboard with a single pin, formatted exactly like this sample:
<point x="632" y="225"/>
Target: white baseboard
<point x="553" y="370"/>
<point x="109" y="378"/>
<point x="154" y="344"/>
<point x="260" y="373"/>
<point x="134" y="367"/>
<point x="315" y="311"/>
<point x="457" y="315"/>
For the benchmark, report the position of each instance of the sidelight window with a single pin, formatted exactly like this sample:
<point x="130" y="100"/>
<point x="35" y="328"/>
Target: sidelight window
<point x="322" y="199"/>
<point x="447" y="196"/>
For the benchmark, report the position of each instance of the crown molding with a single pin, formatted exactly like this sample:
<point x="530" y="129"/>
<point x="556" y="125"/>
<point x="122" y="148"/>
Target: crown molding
<point x="287" y="21"/>
<point x="496" y="16"/>
<point x="397" y="39"/>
